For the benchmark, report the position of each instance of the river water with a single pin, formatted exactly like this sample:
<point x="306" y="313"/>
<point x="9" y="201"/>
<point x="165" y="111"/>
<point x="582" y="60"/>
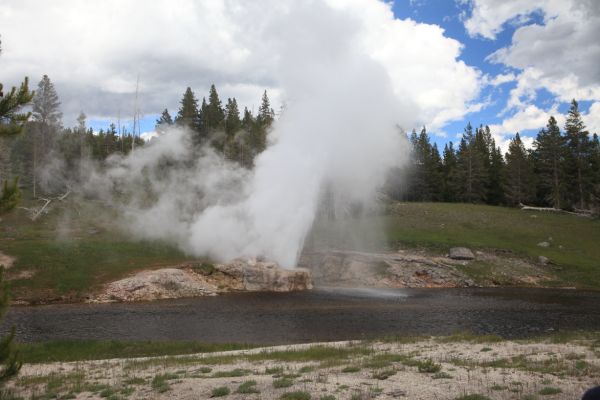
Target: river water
<point x="317" y="315"/>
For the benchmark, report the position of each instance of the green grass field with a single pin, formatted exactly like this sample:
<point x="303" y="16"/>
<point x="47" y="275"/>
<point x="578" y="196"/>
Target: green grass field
<point x="70" y="255"/>
<point x="574" y="241"/>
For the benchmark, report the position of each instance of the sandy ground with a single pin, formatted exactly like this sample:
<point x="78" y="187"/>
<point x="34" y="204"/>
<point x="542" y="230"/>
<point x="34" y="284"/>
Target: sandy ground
<point x="344" y="370"/>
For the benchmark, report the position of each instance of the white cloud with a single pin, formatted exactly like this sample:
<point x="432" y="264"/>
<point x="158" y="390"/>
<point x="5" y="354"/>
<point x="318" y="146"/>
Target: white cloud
<point x="592" y="118"/>
<point x="502" y="79"/>
<point x="94" y="51"/>
<point x="561" y="54"/>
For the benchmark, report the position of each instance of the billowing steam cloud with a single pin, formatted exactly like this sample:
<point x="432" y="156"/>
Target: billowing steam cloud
<point x="339" y="129"/>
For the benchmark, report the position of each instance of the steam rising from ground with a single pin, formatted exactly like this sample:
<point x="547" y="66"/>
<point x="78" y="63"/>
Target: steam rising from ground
<point x="339" y="131"/>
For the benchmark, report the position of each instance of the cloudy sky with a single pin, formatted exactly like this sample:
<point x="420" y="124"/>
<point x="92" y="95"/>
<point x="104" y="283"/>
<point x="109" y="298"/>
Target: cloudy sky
<point x="509" y="64"/>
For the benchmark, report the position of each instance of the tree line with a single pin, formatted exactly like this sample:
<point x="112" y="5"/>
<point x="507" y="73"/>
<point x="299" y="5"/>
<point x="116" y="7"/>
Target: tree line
<point x="561" y="170"/>
<point x="237" y="137"/>
<point x="49" y="157"/>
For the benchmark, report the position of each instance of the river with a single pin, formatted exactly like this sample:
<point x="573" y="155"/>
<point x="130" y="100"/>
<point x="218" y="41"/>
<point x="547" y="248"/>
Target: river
<point x="317" y="315"/>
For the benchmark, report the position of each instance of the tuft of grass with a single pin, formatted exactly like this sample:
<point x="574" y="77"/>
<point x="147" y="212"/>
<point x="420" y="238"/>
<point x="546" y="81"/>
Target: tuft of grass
<point x="160" y="384"/>
<point x="384" y="374"/>
<point x="298" y="395"/>
<point x="428" y="366"/>
<point x="351" y="369"/>
<point x="473" y="397"/>
<point x="549" y="390"/>
<point x="442" y="375"/>
<point x="248" y="387"/>
<point x="327" y="397"/>
<point x="234" y="373"/>
<point x="220" y="391"/>
<point x="282" y="383"/>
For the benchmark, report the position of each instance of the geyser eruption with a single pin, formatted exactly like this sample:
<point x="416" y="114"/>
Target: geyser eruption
<point x="339" y="128"/>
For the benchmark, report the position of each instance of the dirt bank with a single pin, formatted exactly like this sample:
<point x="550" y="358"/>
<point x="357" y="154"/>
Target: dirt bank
<point x="436" y="368"/>
<point x="419" y="269"/>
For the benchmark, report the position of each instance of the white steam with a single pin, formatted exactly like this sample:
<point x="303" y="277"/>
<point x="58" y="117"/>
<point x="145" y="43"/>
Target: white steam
<point x="340" y="129"/>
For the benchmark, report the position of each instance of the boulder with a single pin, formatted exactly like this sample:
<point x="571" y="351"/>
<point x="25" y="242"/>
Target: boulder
<point x="461" y="253"/>
<point x="543" y="244"/>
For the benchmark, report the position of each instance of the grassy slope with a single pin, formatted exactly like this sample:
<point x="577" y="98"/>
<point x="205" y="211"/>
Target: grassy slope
<point x="70" y="256"/>
<point x="575" y="241"/>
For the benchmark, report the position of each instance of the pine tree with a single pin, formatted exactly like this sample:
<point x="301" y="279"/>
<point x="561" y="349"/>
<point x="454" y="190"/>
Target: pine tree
<point x="496" y="177"/>
<point x="164" y="122"/>
<point x="214" y="115"/>
<point x="188" y="115"/>
<point x="232" y="118"/>
<point x="11" y="103"/>
<point x="45" y="127"/>
<point x="471" y="170"/>
<point x="519" y="173"/>
<point x="449" y="173"/>
<point x="46" y="105"/>
<point x="578" y="154"/>
<point x="266" y="115"/>
<point x="548" y="157"/>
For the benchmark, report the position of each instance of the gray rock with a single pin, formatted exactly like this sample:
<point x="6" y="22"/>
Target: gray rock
<point x="263" y="276"/>
<point x="543" y="260"/>
<point x="543" y="244"/>
<point x="461" y="253"/>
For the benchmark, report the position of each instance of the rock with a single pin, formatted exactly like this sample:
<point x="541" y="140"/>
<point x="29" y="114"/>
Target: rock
<point x="543" y="244"/>
<point x="193" y="281"/>
<point x="257" y="276"/>
<point x="165" y="283"/>
<point x="543" y="260"/>
<point x="461" y="253"/>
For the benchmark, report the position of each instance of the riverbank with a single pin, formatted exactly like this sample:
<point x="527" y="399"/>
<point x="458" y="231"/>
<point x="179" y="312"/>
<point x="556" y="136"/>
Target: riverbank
<point x="71" y="257"/>
<point x="556" y="367"/>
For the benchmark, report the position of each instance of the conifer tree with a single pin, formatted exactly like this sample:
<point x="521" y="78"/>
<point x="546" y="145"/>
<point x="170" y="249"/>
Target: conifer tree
<point x="266" y="115"/>
<point x="449" y="173"/>
<point x="519" y="173"/>
<point x="214" y="115"/>
<point x="12" y="119"/>
<point x="232" y="118"/>
<point x="548" y="157"/>
<point x="188" y="115"/>
<point x="164" y="122"/>
<point x="470" y="168"/>
<point x="578" y="154"/>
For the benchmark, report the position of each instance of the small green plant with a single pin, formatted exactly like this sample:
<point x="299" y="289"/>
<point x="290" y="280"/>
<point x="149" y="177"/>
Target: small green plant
<point x="498" y="387"/>
<point x="235" y="373"/>
<point x="282" y="383"/>
<point x="442" y="375"/>
<point x="486" y="349"/>
<point x="351" y="368"/>
<point x="248" y="387"/>
<point x="274" y="371"/>
<point x="548" y="390"/>
<point x="473" y="397"/>
<point x="306" y="368"/>
<point x="205" y="370"/>
<point x="204" y="268"/>
<point x="327" y="397"/>
<point x="160" y="384"/>
<point x="220" y="391"/>
<point x="299" y="395"/>
<point x="384" y="374"/>
<point x="428" y="366"/>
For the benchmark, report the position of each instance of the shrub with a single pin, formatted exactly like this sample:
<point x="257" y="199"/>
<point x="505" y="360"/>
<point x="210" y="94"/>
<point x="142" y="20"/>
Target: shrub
<point x="428" y="366"/>
<point x="248" y="387"/>
<point x="220" y="391"/>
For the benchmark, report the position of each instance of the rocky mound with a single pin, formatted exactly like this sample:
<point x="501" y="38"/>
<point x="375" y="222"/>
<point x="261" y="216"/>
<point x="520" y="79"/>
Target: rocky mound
<point x="201" y="279"/>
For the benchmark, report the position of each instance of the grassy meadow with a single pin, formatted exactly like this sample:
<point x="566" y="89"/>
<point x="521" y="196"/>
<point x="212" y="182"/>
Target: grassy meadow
<point x="67" y="254"/>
